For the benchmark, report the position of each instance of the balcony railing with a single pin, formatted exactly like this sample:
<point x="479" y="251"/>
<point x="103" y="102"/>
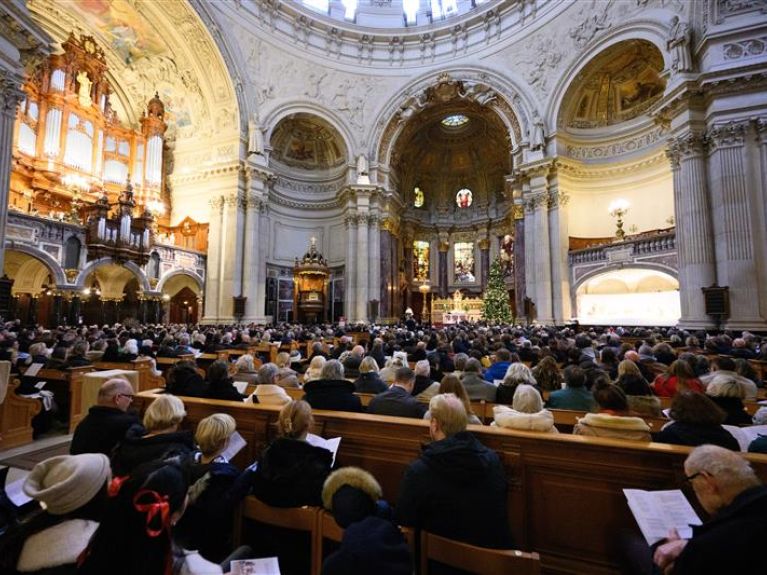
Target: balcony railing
<point x="629" y="248"/>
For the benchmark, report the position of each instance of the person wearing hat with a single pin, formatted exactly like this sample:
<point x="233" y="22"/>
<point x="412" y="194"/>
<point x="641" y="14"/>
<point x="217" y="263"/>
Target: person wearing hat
<point x="72" y="491"/>
<point x="371" y="543"/>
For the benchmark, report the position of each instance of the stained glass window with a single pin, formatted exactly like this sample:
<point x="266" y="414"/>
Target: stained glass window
<point x="420" y="260"/>
<point x="463" y="198"/>
<point x="418" y="198"/>
<point x="454" y="120"/>
<point x="464" y="262"/>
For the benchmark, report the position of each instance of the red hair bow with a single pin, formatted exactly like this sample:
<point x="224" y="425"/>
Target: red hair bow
<point x="157" y="506"/>
<point x="115" y="485"/>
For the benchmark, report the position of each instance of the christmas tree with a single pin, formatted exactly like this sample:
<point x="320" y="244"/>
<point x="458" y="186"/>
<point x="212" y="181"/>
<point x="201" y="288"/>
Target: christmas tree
<point x="495" y="306"/>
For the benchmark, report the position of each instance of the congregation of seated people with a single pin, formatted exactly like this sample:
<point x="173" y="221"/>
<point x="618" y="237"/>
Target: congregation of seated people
<point x="456" y="485"/>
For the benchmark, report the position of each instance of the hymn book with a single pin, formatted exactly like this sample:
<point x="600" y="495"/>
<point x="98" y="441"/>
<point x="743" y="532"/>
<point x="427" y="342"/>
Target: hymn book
<point x="331" y="445"/>
<point x="657" y="512"/>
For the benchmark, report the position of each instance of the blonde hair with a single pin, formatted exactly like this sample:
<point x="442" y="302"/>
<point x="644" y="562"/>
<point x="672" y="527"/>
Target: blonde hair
<point x="369" y="364"/>
<point x="724" y="385"/>
<point x="628" y="367"/>
<point x="315" y="368"/>
<point x="245" y="363"/>
<point x="283" y="359"/>
<point x="213" y="432"/>
<point x="164" y="412"/>
<point x="294" y="419"/>
<point x="449" y="412"/>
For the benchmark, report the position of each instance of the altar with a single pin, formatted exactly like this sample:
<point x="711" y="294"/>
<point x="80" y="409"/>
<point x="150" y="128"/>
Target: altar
<point x="456" y="309"/>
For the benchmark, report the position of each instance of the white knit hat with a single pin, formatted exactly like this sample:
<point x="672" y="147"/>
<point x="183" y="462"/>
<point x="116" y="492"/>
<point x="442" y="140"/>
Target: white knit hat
<point x="67" y="482"/>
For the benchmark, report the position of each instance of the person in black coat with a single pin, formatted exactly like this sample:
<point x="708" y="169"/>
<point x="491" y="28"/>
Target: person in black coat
<point x="696" y="421"/>
<point x="77" y="356"/>
<point x="184" y="380"/>
<point x="332" y="391"/>
<point x="107" y="422"/>
<point x="220" y="385"/>
<point x="457" y="487"/>
<point x="291" y="471"/>
<point x="157" y="438"/>
<point x="730" y="542"/>
<point x="398" y="399"/>
<point x="369" y="381"/>
<point x="217" y="489"/>
<point x="727" y="393"/>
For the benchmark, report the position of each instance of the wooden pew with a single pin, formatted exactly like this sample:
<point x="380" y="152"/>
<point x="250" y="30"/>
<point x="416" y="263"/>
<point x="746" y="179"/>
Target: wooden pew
<point x="16" y="415"/>
<point x="146" y="377"/>
<point x="69" y="383"/>
<point x="565" y="497"/>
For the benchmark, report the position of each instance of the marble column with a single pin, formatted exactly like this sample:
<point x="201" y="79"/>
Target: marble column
<point x="387" y="275"/>
<point x="374" y="263"/>
<point x="519" y="258"/>
<point x="232" y="231"/>
<point x="213" y="273"/>
<point x="350" y="305"/>
<point x="57" y="319"/>
<point x="760" y="191"/>
<point x="443" y="247"/>
<point x="10" y="96"/>
<point x="694" y="229"/>
<point x="559" y="240"/>
<point x="542" y="269"/>
<point x="363" y="260"/>
<point x="484" y="261"/>
<point x="732" y="213"/>
<point x="408" y="257"/>
<point x="253" y="263"/>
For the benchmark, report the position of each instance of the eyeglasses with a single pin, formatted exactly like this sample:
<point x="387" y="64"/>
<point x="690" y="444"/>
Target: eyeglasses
<point x="129" y="396"/>
<point x="689" y="478"/>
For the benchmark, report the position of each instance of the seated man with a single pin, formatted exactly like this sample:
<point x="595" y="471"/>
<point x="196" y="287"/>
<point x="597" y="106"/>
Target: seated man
<point x="498" y="369"/>
<point x="457" y="487"/>
<point x="575" y="395"/>
<point x="729" y="490"/>
<point x="398" y="399"/>
<point x="107" y="421"/>
<point x="332" y="391"/>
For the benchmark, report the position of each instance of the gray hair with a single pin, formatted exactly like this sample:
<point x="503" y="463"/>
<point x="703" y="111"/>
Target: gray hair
<point x="527" y="399"/>
<point x="730" y="469"/>
<point x="422" y="368"/>
<point x="333" y="369"/>
<point x="267" y="373"/>
<point x="131" y="347"/>
<point x="460" y="360"/>
<point x="245" y="363"/>
<point x="724" y="385"/>
<point x="519" y="373"/>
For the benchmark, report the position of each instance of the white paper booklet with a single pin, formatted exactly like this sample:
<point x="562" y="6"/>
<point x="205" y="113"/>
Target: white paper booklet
<point x="241" y="386"/>
<point x="657" y="512"/>
<point x="745" y="435"/>
<point x="33" y="369"/>
<point x="236" y="443"/>
<point x="265" y="566"/>
<point x="330" y="444"/>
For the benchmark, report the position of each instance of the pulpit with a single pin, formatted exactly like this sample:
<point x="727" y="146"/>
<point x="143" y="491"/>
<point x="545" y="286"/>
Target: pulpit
<point x="310" y="277"/>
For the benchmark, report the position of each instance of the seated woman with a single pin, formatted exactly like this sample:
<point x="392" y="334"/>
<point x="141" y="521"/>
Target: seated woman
<point x="73" y="489"/>
<point x="638" y="392"/>
<point x="728" y="394"/>
<point x="612" y="420"/>
<point x="680" y="377"/>
<point x="245" y="369"/>
<point x="451" y="384"/>
<point x="220" y="385"/>
<point x="547" y="374"/>
<point x="286" y="376"/>
<point x="136" y="533"/>
<point x="332" y="391"/>
<point x="526" y="412"/>
<point x="314" y="371"/>
<point x="476" y="387"/>
<point x="369" y="381"/>
<point x="696" y="420"/>
<point x="217" y="489"/>
<point x="184" y="380"/>
<point x="159" y="436"/>
<point x="291" y="471"/>
<point x="516" y="374"/>
<point x="391" y="367"/>
<point x="146" y="352"/>
<point x="129" y="350"/>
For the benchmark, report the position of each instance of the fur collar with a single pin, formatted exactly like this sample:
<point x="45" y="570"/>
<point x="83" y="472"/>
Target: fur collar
<point x="512" y="419"/>
<point x="56" y="546"/>
<point x="614" y="421"/>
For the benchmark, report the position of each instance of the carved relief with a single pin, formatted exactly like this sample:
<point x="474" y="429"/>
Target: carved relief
<point x="628" y="146"/>
<point x="745" y="48"/>
<point x="727" y="135"/>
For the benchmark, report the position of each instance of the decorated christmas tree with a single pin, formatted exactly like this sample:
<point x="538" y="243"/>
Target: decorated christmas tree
<point x="495" y="305"/>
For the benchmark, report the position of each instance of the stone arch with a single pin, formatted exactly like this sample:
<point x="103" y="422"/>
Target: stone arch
<point x="95" y="264"/>
<point x="198" y="281"/>
<point x="652" y="26"/>
<point x="513" y="103"/>
<point x="334" y="120"/>
<point x="46" y="259"/>
<point x="651" y="266"/>
<point x="30" y="271"/>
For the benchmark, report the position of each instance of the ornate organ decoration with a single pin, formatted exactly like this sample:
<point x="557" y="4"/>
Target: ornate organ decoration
<point x="70" y="149"/>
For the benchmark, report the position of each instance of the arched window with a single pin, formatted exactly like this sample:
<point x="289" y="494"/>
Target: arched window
<point x="72" y="253"/>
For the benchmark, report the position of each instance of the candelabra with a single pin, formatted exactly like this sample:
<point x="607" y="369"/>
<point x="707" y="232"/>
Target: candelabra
<point x="618" y="209"/>
<point x="424" y="289"/>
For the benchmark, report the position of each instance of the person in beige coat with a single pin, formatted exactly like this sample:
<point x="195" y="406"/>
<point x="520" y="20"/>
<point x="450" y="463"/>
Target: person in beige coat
<point x="526" y="412"/>
<point x="611" y="421"/>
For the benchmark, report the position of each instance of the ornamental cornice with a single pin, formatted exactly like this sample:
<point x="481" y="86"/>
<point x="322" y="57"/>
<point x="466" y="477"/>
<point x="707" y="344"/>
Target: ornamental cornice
<point x="281" y="200"/>
<point x="11" y="93"/>
<point x="760" y="125"/>
<point x="686" y="146"/>
<point x="630" y="145"/>
<point x="535" y="201"/>
<point x="737" y="82"/>
<point x="557" y="199"/>
<point x="234" y="168"/>
<point x="577" y="169"/>
<point x="539" y="169"/>
<point x="729" y="135"/>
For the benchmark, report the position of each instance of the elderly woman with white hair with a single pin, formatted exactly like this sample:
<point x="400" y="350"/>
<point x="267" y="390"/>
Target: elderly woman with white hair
<point x="314" y="371"/>
<point x="526" y="412"/>
<point x="389" y="370"/>
<point x="727" y="392"/>
<point x="245" y="369"/>
<point x="516" y="374"/>
<point x="425" y="388"/>
<point x="286" y="377"/>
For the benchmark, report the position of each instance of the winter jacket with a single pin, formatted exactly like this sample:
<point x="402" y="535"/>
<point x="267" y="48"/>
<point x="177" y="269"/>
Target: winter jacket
<point x="511" y="419"/>
<point x="613" y="426"/>
<point x="136" y="448"/>
<point x="186" y="382"/>
<point x="373" y="546"/>
<point x="100" y="430"/>
<point x="333" y="394"/>
<point x="370" y="382"/>
<point x="497" y="371"/>
<point x="678" y="433"/>
<point x="55" y="549"/>
<point x="477" y="388"/>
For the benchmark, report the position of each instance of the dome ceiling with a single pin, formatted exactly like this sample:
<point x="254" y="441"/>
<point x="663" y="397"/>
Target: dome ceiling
<point x="441" y="159"/>
<point x="618" y="85"/>
<point x="307" y="142"/>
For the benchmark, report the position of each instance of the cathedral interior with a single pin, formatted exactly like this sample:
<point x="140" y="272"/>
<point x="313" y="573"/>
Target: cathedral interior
<point x="195" y="161"/>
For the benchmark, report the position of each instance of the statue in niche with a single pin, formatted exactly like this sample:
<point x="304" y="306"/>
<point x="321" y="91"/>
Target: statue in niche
<point x="537" y="135"/>
<point x="255" y="136"/>
<point x="678" y="43"/>
<point x="362" y="165"/>
<point x="481" y="93"/>
<point x="84" y="93"/>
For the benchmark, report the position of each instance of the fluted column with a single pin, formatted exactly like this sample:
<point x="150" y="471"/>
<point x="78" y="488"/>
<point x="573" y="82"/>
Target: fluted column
<point x="350" y="305"/>
<point x="374" y="265"/>
<point x="443" y="247"/>
<point x="559" y="240"/>
<point x="253" y="262"/>
<point x="484" y="261"/>
<point x="363" y="262"/>
<point x="760" y="126"/>
<point x="528" y="225"/>
<point x="407" y="248"/>
<point x="733" y="227"/>
<point x="694" y="228"/>
<point x="10" y="96"/>
<point x="214" y="271"/>
<point x="386" y="271"/>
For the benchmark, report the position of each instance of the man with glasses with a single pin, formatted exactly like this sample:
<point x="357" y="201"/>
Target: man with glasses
<point x="107" y="421"/>
<point x="731" y="541"/>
